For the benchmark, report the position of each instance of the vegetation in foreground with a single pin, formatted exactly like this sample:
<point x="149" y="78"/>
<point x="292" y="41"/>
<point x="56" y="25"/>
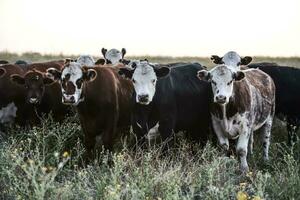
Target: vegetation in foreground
<point x="46" y="163"/>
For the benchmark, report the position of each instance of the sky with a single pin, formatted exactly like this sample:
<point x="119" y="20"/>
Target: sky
<point x="152" y="27"/>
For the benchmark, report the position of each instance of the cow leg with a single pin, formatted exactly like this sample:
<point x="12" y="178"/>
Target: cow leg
<point x="250" y="146"/>
<point x="223" y="140"/>
<point x="166" y="130"/>
<point x="241" y="149"/>
<point x="266" y="134"/>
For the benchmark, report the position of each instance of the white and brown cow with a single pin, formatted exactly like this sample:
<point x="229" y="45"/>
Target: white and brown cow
<point x="102" y="99"/>
<point x="243" y="102"/>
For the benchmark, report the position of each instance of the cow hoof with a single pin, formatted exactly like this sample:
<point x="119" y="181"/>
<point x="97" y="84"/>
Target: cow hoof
<point x="244" y="169"/>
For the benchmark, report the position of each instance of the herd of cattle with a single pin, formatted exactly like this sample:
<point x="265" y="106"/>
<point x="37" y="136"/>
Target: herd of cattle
<point x="112" y="94"/>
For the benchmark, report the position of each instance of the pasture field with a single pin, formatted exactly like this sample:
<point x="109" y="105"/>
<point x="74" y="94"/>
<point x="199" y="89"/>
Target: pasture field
<point x="45" y="162"/>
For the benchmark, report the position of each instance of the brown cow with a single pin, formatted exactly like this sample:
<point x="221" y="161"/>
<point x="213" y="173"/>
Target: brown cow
<point x="41" y="91"/>
<point x="102" y="99"/>
<point x="12" y="102"/>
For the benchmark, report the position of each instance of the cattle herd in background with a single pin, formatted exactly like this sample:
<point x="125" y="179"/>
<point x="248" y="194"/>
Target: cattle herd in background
<point x="112" y="94"/>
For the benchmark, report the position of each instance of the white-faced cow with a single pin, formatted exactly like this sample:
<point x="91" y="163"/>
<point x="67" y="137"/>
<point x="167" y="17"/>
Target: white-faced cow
<point x="232" y="59"/>
<point x="112" y="56"/>
<point x="243" y="102"/>
<point x="101" y="97"/>
<point x="170" y="96"/>
<point x="86" y="60"/>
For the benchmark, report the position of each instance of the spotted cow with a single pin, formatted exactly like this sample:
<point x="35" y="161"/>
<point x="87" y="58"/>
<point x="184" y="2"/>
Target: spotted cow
<point x="243" y="102"/>
<point x="168" y="96"/>
<point x="102" y="99"/>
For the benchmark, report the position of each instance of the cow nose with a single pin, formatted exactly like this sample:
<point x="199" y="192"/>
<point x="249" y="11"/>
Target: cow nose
<point x="69" y="100"/>
<point x="221" y="99"/>
<point x="144" y="98"/>
<point x="33" y="100"/>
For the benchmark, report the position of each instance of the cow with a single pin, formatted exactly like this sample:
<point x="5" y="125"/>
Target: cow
<point x="102" y="99"/>
<point x="243" y="102"/>
<point x="112" y="56"/>
<point x="12" y="104"/>
<point x="287" y="87"/>
<point x="3" y="62"/>
<point x="41" y="91"/>
<point x="22" y="62"/>
<point x="86" y="60"/>
<point x="168" y="96"/>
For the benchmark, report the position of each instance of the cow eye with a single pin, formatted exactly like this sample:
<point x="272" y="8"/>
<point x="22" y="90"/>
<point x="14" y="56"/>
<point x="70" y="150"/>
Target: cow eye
<point x="153" y="81"/>
<point x="213" y="82"/>
<point x="133" y="80"/>
<point x="79" y="83"/>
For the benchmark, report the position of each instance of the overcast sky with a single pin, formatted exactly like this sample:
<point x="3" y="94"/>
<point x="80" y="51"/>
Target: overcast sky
<point x="152" y="27"/>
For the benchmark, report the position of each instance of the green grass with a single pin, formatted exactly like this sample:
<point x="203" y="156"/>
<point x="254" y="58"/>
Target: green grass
<point x="34" y="163"/>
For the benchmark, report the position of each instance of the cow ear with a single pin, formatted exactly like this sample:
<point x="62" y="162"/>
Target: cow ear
<point x="246" y="60"/>
<point x="47" y="81"/>
<point x="53" y="73"/>
<point x="17" y="79"/>
<point x="204" y="75"/>
<point x="103" y="50"/>
<point x="123" y="52"/>
<point x="90" y="75"/>
<point x="216" y="59"/>
<point x="124" y="61"/>
<point x="239" y="75"/>
<point x="2" y="72"/>
<point x="162" y="71"/>
<point x="100" y="61"/>
<point x="126" y="72"/>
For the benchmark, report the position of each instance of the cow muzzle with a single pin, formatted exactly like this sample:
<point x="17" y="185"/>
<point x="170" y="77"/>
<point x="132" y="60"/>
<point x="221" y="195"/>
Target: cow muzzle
<point x="34" y="100"/>
<point x="221" y="99"/>
<point x="68" y="100"/>
<point x="143" y="99"/>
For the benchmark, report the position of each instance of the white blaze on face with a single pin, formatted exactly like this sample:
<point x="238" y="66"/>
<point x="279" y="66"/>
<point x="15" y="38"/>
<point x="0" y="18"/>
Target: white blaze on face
<point x="86" y="60"/>
<point x="222" y="83"/>
<point x="70" y="77"/>
<point x="232" y="60"/>
<point x="144" y="81"/>
<point x="114" y="56"/>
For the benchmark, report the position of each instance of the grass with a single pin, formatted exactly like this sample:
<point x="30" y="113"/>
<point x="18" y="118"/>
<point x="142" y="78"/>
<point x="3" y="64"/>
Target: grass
<point x="45" y="162"/>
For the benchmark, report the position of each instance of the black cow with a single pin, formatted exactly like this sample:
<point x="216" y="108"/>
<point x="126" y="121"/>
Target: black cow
<point x="287" y="84"/>
<point x="173" y="97"/>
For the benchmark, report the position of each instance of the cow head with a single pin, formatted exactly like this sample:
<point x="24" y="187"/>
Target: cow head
<point x="232" y="60"/>
<point x="144" y="77"/>
<point x="86" y="60"/>
<point x="112" y="56"/>
<point x="72" y="78"/>
<point x="2" y="72"/>
<point x="35" y="83"/>
<point x="221" y="78"/>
